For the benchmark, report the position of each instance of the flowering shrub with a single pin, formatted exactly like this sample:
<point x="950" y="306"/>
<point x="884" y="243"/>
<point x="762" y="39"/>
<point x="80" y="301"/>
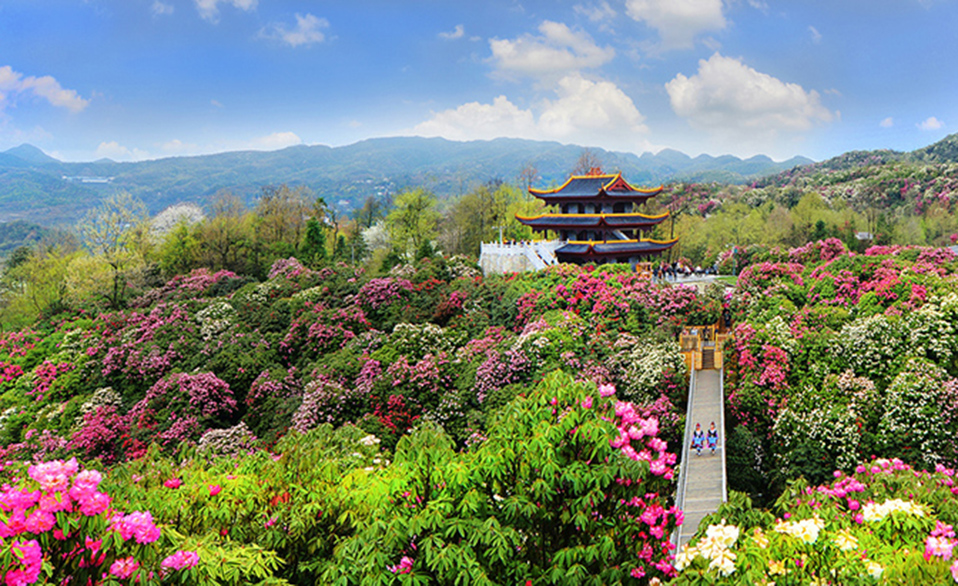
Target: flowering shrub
<point x="177" y="408"/>
<point x="887" y="523"/>
<point x="59" y="520"/>
<point x="607" y="523"/>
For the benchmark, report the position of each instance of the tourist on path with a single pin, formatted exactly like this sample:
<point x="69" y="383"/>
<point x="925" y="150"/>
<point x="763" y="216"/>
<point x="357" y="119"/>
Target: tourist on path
<point x="712" y="437"/>
<point x="698" y="439"/>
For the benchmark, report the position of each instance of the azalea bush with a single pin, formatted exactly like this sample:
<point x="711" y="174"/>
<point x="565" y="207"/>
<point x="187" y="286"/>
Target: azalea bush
<point x="886" y="523"/>
<point x="57" y="525"/>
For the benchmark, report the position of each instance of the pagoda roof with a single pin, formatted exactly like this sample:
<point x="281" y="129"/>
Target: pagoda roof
<point x="606" y="186"/>
<point x="614" y="248"/>
<point x="578" y="221"/>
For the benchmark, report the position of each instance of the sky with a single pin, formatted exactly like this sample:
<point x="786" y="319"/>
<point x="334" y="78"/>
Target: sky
<point x="146" y="79"/>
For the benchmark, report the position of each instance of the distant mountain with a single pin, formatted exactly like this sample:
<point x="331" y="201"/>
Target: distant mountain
<point x="30" y="154"/>
<point x="37" y="187"/>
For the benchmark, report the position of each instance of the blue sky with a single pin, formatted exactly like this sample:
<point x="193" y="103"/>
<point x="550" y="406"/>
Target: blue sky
<point x="136" y="79"/>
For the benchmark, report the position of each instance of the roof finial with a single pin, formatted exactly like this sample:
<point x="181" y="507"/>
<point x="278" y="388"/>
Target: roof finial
<point x="594" y="171"/>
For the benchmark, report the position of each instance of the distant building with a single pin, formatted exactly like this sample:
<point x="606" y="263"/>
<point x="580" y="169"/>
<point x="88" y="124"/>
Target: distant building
<point x="864" y="236"/>
<point x="597" y="221"/>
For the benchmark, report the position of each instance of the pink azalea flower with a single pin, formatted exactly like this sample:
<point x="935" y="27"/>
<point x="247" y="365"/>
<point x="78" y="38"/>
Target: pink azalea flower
<point x="181" y="560"/>
<point x="215" y="489"/>
<point x="173" y="483"/>
<point x="123" y="568"/>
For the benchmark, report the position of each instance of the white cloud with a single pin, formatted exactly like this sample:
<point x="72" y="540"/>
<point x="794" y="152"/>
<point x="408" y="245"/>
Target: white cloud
<point x="209" y="9"/>
<point x="456" y="33"/>
<point x="178" y="147"/>
<point x="678" y="21"/>
<point x="117" y="152"/>
<point x="12" y="83"/>
<point x="596" y="13"/>
<point x="931" y="123"/>
<point x="275" y="141"/>
<point x="306" y="32"/>
<point x="726" y="96"/>
<point x="161" y="8"/>
<point x="557" y="52"/>
<point x="592" y="108"/>
<point x="475" y="121"/>
<point x="216" y="103"/>
<point x="584" y="112"/>
<point x="887" y="122"/>
<point x="816" y="36"/>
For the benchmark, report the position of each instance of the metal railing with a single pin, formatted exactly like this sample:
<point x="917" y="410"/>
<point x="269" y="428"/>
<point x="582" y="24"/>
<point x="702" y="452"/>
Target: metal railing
<point x="686" y="454"/>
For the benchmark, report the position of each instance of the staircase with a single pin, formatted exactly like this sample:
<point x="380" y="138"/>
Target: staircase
<point x="708" y="358"/>
<point x="702" y="478"/>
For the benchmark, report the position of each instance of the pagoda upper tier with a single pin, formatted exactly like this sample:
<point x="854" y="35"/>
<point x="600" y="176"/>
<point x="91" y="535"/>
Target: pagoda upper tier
<point x="595" y="189"/>
<point x="597" y="220"/>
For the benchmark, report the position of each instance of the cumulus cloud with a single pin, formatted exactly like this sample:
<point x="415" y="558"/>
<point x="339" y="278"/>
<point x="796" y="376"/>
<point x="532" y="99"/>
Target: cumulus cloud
<point x="584" y="111"/>
<point x="178" y="147"/>
<point x="308" y="30"/>
<point x="887" y="122"/>
<point x="456" y="33"/>
<point x="594" y="108"/>
<point x="678" y="21"/>
<point x="209" y="9"/>
<point x="275" y="141"/>
<point x="161" y="8"/>
<point x="558" y="51"/>
<point x="930" y="123"/>
<point x="13" y="83"/>
<point x="728" y="97"/>
<point x="117" y="152"/>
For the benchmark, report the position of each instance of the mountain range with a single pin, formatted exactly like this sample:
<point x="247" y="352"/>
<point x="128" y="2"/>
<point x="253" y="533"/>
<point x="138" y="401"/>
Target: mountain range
<point x="38" y="188"/>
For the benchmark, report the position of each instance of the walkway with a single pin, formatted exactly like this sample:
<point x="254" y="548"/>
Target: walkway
<point x="702" y="479"/>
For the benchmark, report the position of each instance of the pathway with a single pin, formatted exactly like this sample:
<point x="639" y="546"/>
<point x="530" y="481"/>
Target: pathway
<point x="702" y="479"/>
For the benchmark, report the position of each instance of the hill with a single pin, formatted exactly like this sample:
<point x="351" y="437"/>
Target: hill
<point x="36" y="187"/>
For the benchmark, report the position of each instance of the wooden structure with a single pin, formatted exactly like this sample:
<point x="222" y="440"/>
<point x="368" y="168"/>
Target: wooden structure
<point x="597" y="219"/>
<point x="704" y="346"/>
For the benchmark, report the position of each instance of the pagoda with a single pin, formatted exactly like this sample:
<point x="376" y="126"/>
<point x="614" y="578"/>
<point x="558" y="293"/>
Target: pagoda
<point x="597" y="219"/>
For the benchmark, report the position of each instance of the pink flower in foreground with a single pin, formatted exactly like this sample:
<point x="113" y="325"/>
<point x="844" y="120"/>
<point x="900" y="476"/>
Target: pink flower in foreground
<point x="938" y="547"/>
<point x="54" y="476"/>
<point x="403" y="567"/>
<point x="215" y="489"/>
<point x="30" y="556"/>
<point x="173" y="483"/>
<point x="181" y="560"/>
<point x="138" y="525"/>
<point x="123" y="568"/>
<point x="954" y="571"/>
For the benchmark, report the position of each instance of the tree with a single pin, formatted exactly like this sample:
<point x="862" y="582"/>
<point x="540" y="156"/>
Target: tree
<point x="412" y="220"/>
<point x="109" y="232"/>
<point x="528" y="175"/>
<point x="314" y="243"/>
<point x="281" y="215"/>
<point x="225" y="233"/>
<point x="587" y="163"/>
<point x="370" y="213"/>
<point x="179" y="250"/>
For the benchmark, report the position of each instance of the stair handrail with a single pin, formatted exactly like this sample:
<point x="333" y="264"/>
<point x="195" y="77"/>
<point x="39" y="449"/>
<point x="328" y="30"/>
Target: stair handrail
<point x="686" y="454"/>
<point x="724" y="435"/>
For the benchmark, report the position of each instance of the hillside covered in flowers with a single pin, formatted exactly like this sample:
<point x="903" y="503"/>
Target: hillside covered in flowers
<point x="433" y="426"/>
